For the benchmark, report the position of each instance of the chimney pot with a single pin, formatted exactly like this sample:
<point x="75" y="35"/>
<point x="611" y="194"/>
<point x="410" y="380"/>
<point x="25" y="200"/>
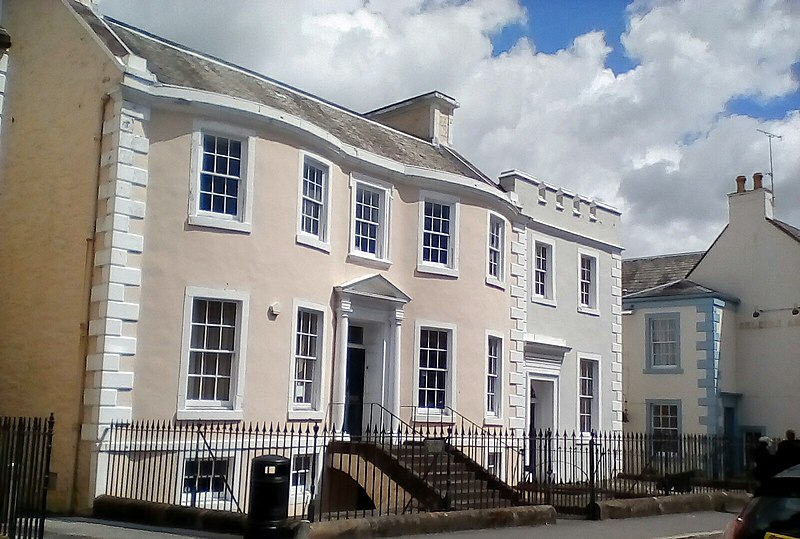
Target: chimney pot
<point x="757" y="180"/>
<point x="740" y="181"/>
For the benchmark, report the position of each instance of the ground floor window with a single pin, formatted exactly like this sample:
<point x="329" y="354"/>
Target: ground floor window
<point x="434" y="363"/>
<point x="204" y="480"/>
<point x="664" y="426"/>
<point x="301" y="475"/>
<point x="588" y="395"/>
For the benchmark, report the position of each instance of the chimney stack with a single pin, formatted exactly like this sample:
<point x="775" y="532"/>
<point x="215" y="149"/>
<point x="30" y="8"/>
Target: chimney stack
<point x="740" y="181"/>
<point x="757" y="180"/>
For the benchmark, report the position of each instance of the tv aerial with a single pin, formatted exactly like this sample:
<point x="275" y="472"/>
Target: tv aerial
<point x="770" y="136"/>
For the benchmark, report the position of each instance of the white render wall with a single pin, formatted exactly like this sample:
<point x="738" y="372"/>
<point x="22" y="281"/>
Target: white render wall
<point x="572" y="225"/>
<point x="757" y="263"/>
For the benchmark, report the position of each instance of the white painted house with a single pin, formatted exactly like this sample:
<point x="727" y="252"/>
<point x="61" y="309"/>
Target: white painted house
<point x="711" y="339"/>
<point x="571" y="365"/>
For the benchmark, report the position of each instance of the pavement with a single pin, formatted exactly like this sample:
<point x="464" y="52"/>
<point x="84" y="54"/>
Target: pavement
<point x="701" y="525"/>
<point x="88" y="528"/>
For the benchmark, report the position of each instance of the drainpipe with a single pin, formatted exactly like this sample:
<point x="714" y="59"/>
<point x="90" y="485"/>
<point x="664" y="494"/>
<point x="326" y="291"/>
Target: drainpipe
<point x="87" y="283"/>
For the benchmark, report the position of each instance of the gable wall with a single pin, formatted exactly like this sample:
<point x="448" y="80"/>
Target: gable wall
<point x="758" y="264"/>
<point x="49" y="155"/>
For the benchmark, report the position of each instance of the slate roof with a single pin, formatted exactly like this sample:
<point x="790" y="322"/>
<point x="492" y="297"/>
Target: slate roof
<point x="176" y="65"/>
<point x="683" y="287"/>
<point x="792" y="231"/>
<point x="645" y="273"/>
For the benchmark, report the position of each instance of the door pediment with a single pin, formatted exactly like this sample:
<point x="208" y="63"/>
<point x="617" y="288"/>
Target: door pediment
<point x="374" y="286"/>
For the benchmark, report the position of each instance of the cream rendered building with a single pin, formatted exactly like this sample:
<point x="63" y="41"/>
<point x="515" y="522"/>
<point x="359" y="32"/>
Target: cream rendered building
<point x="711" y="339"/>
<point x="183" y="239"/>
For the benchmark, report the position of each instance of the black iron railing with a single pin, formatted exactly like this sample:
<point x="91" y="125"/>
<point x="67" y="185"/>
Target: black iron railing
<point x="25" y="447"/>
<point x="407" y="469"/>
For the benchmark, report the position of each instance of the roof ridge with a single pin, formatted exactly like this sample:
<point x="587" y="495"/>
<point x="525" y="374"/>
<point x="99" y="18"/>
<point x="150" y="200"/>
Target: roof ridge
<point x="664" y="256"/>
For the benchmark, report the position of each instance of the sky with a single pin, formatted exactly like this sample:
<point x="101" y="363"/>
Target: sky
<point x="652" y="106"/>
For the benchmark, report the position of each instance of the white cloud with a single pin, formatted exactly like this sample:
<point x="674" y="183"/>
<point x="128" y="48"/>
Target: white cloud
<point x="655" y="140"/>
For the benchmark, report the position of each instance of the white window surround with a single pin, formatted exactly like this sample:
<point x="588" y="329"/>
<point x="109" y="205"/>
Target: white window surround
<point x="321" y="240"/>
<point x="380" y="260"/>
<point x="243" y="221"/>
<point x="451" y="268"/>
<point x="430" y="414"/>
<point x="498" y="281"/>
<point x="550" y="298"/>
<point x="597" y="394"/>
<point x="495" y="418"/>
<point x="315" y="411"/>
<point x="198" y="410"/>
<point x="594" y="303"/>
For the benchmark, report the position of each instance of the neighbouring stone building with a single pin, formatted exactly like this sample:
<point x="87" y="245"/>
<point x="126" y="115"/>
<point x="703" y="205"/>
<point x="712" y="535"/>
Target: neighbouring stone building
<point x="711" y="339"/>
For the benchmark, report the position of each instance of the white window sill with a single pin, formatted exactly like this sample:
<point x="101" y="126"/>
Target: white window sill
<point x="544" y="301"/>
<point x="209" y="414"/>
<point x="495" y="282"/>
<point x="305" y="415"/>
<point x="204" y="502"/>
<point x="588" y="310"/>
<point x="493" y="421"/>
<point x="423" y="267"/>
<point x="355" y="257"/>
<point x="211" y="221"/>
<point x="663" y="370"/>
<point x="313" y="242"/>
<point x="296" y="497"/>
<point x="432" y="417"/>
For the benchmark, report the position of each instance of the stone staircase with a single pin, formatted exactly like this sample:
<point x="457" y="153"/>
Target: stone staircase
<point x="458" y="481"/>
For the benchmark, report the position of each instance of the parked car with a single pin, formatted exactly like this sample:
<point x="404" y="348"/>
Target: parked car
<point x="774" y="511"/>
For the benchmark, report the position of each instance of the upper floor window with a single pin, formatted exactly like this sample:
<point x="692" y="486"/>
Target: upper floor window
<point x="496" y="249"/>
<point x="439" y="235"/>
<point x="663" y="342"/>
<point x="213" y="352"/>
<point x="587" y="283"/>
<point x="222" y="177"/>
<point x="314" y="203"/>
<point x="370" y="221"/>
<point x="543" y="271"/>
<point x="587" y="404"/>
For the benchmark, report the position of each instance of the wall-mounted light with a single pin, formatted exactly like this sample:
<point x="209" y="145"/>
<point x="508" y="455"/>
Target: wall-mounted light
<point x="795" y="310"/>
